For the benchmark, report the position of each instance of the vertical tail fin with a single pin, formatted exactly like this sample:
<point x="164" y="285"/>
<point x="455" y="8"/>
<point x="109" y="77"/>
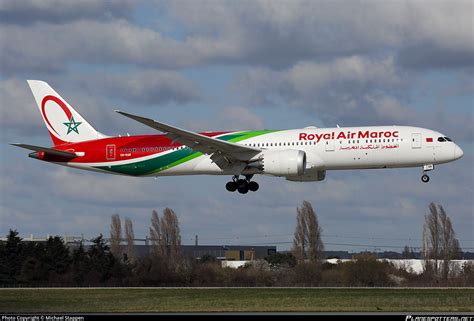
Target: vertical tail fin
<point x="65" y="125"/>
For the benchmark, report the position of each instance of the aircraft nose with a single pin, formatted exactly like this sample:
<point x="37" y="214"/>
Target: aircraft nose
<point x="458" y="153"/>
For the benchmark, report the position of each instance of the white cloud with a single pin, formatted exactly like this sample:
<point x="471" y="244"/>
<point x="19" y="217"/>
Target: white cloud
<point x="18" y="109"/>
<point x="350" y="91"/>
<point x="234" y="118"/>
<point x="343" y="89"/>
<point x="150" y="87"/>
<point x="99" y="188"/>
<point x="48" y="47"/>
<point x="264" y="33"/>
<point x="239" y="118"/>
<point x="281" y="32"/>
<point x="56" y="11"/>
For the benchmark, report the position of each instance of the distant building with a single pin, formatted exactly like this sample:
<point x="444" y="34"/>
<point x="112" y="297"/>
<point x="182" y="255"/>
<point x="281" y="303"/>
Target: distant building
<point x="220" y="252"/>
<point x="227" y="252"/>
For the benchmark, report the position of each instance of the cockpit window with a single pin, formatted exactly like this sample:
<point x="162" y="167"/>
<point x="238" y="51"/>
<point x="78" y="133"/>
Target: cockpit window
<point x="448" y="139"/>
<point x="441" y="139"/>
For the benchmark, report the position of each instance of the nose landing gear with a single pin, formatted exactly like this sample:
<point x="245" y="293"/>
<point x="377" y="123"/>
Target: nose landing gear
<point x="242" y="185"/>
<point x="426" y="168"/>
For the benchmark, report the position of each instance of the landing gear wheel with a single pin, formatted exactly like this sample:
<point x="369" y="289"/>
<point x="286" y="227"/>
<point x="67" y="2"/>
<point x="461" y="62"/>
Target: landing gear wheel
<point x="253" y="186"/>
<point x="425" y="178"/>
<point x="231" y="186"/>
<point x="241" y="183"/>
<point x="243" y="189"/>
<point x="243" y="186"/>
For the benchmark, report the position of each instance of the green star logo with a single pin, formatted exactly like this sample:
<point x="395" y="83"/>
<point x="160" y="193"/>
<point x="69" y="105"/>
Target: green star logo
<point x="72" y="125"/>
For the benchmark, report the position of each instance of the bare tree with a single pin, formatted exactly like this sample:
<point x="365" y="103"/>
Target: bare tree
<point x="449" y="244"/>
<point x="170" y="236"/>
<point x="155" y="235"/>
<point x="130" y="236"/>
<point x="299" y="240"/>
<point x="307" y="243"/>
<point x="440" y="245"/>
<point x="115" y="236"/>
<point x="408" y="253"/>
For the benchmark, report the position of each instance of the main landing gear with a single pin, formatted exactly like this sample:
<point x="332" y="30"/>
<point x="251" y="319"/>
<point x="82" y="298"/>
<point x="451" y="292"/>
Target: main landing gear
<point x="426" y="168"/>
<point x="242" y="185"/>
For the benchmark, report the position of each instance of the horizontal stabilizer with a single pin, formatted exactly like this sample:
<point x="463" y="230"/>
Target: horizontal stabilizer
<point x="49" y="151"/>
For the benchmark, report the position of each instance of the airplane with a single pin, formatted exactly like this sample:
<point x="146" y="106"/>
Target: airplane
<point x="301" y="155"/>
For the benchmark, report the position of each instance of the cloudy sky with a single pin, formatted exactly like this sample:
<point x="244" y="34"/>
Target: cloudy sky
<point x="229" y="65"/>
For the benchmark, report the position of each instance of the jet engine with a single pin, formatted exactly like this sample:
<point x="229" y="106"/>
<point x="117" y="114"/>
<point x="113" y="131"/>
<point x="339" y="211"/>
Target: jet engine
<point x="281" y="162"/>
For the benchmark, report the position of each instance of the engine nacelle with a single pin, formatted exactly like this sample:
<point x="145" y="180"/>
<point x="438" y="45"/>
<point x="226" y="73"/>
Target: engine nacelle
<point x="309" y="176"/>
<point x="282" y="162"/>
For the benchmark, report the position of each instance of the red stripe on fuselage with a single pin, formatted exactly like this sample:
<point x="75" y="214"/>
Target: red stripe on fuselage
<point x="126" y="148"/>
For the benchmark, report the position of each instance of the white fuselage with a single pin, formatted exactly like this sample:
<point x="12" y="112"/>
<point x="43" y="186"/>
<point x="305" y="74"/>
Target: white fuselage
<point x="345" y="148"/>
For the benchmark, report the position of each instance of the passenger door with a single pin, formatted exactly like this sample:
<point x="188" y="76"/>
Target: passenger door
<point x="110" y="152"/>
<point x="330" y="145"/>
<point x="416" y="140"/>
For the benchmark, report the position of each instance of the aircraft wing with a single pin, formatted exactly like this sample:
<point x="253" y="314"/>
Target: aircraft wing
<point x="49" y="151"/>
<point x="223" y="153"/>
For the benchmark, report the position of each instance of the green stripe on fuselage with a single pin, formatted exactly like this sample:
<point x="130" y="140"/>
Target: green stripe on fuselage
<point x="163" y="162"/>
<point x="237" y="137"/>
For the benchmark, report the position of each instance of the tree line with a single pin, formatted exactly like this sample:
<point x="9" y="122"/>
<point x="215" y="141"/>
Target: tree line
<point x="113" y="262"/>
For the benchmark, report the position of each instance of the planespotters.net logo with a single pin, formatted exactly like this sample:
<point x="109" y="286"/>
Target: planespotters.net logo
<point x="439" y="318"/>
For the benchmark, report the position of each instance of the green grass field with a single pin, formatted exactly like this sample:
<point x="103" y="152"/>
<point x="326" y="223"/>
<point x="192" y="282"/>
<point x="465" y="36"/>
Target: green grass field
<point x="235" y="300"/>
